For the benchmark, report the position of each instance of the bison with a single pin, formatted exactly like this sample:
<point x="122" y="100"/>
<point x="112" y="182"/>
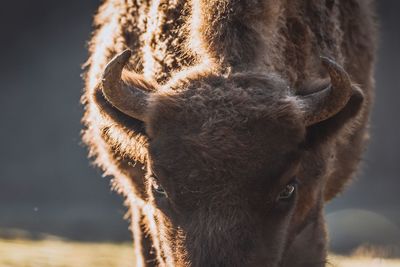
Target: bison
<point x="228" y="124"/>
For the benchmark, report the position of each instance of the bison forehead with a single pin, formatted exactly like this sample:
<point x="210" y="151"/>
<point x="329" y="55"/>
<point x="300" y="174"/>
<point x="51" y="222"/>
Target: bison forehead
<point x="226" y="127"/>
<point x="221" y="148"/>
<point x="211" y="103"/>
<point x="251" y="158"/>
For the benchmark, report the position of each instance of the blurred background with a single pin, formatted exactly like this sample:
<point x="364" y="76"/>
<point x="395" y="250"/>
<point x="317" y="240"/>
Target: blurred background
<point x="47" y="185"/>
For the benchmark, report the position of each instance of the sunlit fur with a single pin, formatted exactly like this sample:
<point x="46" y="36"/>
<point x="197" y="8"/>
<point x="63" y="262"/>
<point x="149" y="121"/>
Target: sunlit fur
<point x="191" y="53"/>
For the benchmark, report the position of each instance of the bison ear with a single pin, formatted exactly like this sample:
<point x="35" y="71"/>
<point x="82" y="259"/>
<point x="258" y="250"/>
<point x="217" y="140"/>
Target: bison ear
<point x="328" y="109"/>
<point x="126" y="91"/>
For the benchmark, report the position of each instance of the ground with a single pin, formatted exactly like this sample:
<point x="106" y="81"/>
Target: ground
<point x="58" y="253"/>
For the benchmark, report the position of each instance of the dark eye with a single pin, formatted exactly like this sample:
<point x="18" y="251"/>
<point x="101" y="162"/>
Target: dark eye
<point x="288" y="192"/>
<point x="157" y="188"/>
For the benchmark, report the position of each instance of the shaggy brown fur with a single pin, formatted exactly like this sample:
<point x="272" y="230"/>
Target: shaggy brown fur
<point x="224" y="132"/>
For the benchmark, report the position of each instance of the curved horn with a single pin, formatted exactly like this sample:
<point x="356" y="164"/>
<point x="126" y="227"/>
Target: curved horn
<point x="129" y="100"/>
<point x="326" y="103"/>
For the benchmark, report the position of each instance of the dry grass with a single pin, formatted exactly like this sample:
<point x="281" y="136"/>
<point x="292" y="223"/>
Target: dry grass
<point x="57" y="253"/>
<point x="362" y="261"/>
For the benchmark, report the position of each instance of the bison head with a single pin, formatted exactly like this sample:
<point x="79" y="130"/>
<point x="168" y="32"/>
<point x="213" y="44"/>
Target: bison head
<point x="235" y="171"/>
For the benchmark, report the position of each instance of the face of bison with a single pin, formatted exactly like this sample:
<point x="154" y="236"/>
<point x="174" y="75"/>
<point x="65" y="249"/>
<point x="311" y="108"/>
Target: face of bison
<point x="222" y="169"/>
<point x="225" y="161"/>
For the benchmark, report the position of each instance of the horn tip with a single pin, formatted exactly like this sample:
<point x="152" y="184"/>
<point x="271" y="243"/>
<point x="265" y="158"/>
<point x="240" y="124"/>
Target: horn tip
<point x="125" y="55"/>
<point x="331" y="63"/>
<point x="326" y="61"/>
<point x="122" y="58"/>
<point x="117" y="63"/>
